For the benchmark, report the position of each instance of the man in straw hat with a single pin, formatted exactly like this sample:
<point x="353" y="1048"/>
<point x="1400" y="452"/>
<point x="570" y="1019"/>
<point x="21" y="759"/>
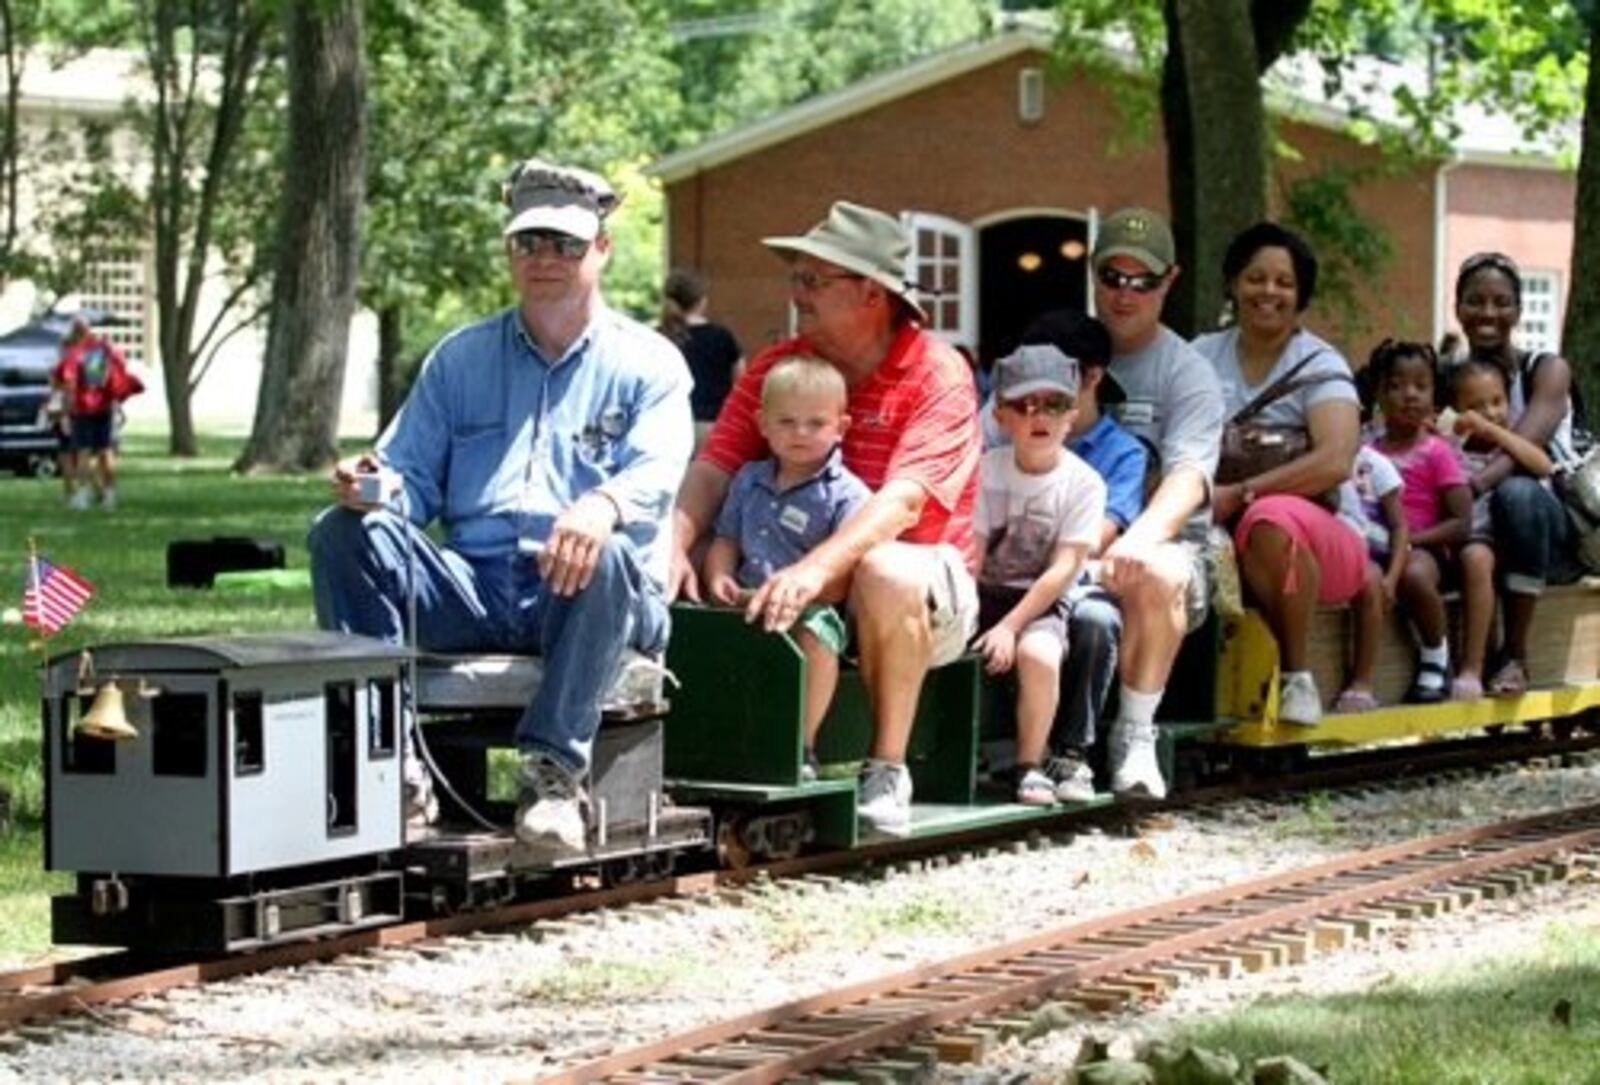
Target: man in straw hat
<point x="904" y="561"/>
<point x="548" y="439"/>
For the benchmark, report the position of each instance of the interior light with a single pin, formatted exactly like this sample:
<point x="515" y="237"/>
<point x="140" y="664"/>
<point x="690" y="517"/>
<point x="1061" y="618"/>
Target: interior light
<point x="1073" y="249"/>
<point x="1030" y="262"/>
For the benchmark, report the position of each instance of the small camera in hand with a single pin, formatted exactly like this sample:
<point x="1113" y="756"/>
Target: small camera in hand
<point x="372" y="487"/>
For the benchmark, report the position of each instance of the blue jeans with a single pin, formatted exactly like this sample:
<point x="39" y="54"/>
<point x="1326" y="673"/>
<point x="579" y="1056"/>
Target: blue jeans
<point x="1533" y="544"/>
<point x="360" y="584"/>
<point x="1088" y="674"/>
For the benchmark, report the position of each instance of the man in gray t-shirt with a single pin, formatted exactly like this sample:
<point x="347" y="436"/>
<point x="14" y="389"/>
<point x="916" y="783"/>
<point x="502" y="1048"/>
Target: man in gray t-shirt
<point x="1173" y="403"/>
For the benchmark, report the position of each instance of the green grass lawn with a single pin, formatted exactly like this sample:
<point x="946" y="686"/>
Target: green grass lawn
<point x="124" y="554"/>
<point x="1531" y="1018"/>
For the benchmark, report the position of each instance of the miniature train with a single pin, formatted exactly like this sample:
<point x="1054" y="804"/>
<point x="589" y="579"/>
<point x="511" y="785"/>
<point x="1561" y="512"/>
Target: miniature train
<point x="256" y="796"/>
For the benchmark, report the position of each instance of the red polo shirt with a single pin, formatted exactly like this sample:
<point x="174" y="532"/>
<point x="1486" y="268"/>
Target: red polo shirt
<point x="915" y="418"/>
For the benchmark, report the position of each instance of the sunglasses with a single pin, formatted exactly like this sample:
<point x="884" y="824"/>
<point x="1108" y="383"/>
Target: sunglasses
<point x="1053" y="405"/>
<point x="536" y="242"/>
<point x="812" y="281"/>
<point x="1112" y="279"/>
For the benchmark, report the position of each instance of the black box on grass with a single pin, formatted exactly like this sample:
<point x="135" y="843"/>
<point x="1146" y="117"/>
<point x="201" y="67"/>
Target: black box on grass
<point x="195" y="563"/>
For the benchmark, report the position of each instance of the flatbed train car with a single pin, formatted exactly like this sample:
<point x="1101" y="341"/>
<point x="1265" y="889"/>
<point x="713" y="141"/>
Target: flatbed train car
<point x="259" y="798"/>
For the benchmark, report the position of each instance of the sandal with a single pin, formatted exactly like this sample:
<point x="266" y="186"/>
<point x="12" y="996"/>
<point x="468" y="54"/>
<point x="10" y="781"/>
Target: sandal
<point x="1466" y="689"/>
<point x="1510" y="680"/>
<point x="1356" y="700"/>
<point x="1429" y="694"/>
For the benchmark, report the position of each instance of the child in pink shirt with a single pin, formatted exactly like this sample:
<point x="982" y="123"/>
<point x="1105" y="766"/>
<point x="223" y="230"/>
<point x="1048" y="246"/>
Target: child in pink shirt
<point x="1437" y="500"/>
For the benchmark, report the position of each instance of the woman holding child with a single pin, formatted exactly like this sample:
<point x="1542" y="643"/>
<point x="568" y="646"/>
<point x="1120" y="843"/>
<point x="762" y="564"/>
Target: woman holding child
<point x="1533" y="395"/>
<point x="1294" y="552"/>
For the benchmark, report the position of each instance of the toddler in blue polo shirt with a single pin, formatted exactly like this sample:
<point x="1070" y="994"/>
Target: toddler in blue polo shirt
<point x="779" y="509"/>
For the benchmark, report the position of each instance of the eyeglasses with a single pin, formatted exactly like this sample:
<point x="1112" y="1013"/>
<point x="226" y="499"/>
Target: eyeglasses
<point x="1053" y="405"/>
<point x="551" y="242"/>
<point x="1113" y="279"/>
<point x="812" y="281"/>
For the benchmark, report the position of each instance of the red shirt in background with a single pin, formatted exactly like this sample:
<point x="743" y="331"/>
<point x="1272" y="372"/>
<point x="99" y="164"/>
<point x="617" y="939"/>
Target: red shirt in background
<point x="86" y="371"/>
<point x="914" y="418"/>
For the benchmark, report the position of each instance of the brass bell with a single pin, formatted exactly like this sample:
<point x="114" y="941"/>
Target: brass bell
<point x="106" y="718"/>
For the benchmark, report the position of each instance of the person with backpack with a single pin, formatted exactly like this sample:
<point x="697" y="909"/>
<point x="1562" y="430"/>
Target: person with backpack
<point x="94" y="379"/>
<point x="1533" y="537"/>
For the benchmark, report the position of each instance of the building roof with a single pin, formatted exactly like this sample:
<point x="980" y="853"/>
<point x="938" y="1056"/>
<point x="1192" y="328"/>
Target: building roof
<point x="1294" y="88"/>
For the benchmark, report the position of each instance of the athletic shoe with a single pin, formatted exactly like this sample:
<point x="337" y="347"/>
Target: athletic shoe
<point x="421" y="805"/>
<point x="1299" y="703"/>
<point x="883" y="802"/>
<point x="1135" y="768"/>
<point x="810" y="768"/>
<point x="1073" y="778"/>
<point x="80" y="499"/>
<point x="551" y="812"/>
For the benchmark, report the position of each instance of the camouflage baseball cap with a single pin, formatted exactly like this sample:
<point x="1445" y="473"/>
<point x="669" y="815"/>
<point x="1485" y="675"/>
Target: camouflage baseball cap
<point x="1137" y="232"/>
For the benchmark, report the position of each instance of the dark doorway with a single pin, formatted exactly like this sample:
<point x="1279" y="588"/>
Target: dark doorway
<point x="1027" y="266"/>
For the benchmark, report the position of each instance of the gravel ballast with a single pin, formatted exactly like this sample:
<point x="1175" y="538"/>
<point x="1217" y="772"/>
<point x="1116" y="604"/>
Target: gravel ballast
<point x="511" y="1005"/>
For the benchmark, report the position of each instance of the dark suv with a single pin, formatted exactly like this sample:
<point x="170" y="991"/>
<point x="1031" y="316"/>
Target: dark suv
<point x="28" y="444"/>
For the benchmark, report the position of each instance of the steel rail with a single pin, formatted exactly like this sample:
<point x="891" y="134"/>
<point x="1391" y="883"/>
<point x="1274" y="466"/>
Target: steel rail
<point x="50" y="990"/>
<point x="812" y="1033"/>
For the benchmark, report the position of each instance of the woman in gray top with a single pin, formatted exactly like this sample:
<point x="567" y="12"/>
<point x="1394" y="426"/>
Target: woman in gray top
<point x="1293" y="551"/>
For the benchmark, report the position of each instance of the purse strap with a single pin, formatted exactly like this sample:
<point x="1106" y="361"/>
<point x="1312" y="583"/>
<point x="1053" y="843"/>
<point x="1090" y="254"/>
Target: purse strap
<point x="1283" y="386"/>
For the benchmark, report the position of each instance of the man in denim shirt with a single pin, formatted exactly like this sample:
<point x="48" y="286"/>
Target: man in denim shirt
<point x="549" y="441"/>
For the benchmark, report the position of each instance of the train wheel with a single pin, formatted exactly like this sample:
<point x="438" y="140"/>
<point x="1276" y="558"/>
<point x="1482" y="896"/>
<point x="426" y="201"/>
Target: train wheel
<point x="732" y="854"/>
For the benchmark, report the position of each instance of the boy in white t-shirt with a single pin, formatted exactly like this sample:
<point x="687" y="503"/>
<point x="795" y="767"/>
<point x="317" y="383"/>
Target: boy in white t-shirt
<point x="1038" y="515"/>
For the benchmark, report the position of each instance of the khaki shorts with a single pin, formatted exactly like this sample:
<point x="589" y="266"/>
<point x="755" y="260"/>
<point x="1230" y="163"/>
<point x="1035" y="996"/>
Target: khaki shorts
<point x="952" y="602"/>
<point x="1197" y="591"/>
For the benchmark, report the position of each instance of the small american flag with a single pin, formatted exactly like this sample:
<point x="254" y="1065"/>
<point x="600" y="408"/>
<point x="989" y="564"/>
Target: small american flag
<point x="52" y="595"/>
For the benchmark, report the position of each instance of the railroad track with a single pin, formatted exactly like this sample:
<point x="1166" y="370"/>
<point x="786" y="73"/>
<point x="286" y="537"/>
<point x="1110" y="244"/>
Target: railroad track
<point x="37" y="994"/>
<point x="914" y="1017"/>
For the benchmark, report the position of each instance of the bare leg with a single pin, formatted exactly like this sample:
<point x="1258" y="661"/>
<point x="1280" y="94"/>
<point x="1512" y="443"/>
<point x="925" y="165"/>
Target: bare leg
<point x="889" y="601"/>
<point x="1266" y="564"/>
<point x="1154" y="624"/>
<point x="1368" y="628"/>
<point x="822" y="677"/>
<point x="1517" y="608"/>
<point x="1038" y="691"/>
<point x="1419" y="590"/>
<point x="1477" y="607"/>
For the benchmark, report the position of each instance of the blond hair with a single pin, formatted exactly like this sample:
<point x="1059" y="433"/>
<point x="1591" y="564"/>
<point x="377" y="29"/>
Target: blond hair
<point x="803" y="374"/>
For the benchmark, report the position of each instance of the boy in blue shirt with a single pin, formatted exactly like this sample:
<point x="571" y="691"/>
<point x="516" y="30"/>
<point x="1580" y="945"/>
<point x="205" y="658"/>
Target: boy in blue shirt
<point x="1094" y="624"/>
<point x="780" y="508"/>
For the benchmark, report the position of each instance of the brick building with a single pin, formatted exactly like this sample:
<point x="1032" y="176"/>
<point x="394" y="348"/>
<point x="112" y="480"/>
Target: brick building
<point x="1002" y="172"/>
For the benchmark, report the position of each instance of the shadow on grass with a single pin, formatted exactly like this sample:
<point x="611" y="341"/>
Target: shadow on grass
<point x="1534" y="1017"/>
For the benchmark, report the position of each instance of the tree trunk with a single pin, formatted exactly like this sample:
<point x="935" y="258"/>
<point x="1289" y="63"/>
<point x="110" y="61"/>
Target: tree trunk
<point x="1580" y="332"/>
<point x="1212" y="116"/>
<point x="319" y="248"/>
<point x="1226" y="175"/>
<point x="391" y="381"/>
<point x="192" y="143"/>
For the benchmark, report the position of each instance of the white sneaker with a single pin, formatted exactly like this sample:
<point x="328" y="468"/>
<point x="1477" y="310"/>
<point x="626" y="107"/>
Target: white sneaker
<point x="884" y="801"/>
<point x="551" y="814"/>
<point x="1135" y="768"/>
<point x="1299" y="703"/>
<point x="108" y="500"/>
<point x="1074" y="779"/>
<point x="80" y="499"/>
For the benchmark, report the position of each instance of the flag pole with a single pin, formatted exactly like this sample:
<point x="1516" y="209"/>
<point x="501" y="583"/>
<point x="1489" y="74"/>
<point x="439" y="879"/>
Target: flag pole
<point x="43" y="641"/>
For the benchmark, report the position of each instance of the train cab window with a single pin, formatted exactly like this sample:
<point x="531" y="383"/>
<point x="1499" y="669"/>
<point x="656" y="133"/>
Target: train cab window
<point x="178" y="726"/>
<point x="383" y="711"/>
<point x="249" y="735"/>
<point x="80" y="755"/>
<point x="340" y="702"/>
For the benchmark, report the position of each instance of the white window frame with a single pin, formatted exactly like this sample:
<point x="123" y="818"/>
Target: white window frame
<point x="918" y="224"/>
<point x="118" y="283"/>
<point x="1541" y="286"/>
